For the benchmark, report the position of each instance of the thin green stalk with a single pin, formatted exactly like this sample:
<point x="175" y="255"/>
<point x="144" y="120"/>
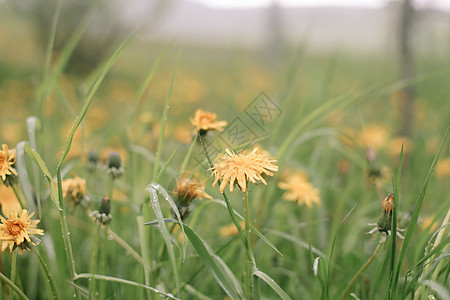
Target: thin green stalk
<point x="144" y="252"/>
<point x="163" y="121"/>
<point x="48" y="274"/>
<point x="102" y="268"/>
<point x="111" y="188"/>
<point x="67" y="244"/>
<point x="126" y="246"/>
<point x="188" y="155"/>
<point x="18" y="195"/>
<point x="13" y="269"/>
<point x="361" y="270"/>
<point x="13" y="287"/>
<point x="93" y="264"/>
<point x="248" y="286"/>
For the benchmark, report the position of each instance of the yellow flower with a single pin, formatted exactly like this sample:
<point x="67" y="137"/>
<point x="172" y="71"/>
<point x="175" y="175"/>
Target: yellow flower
<point x="7" y="160"/>
<point x="443" y="168"/>
<point x="242" y="167"/>
<point x="18" y="231"/>
<point x="230" y="230"/>
<point x="204" y="121"/>
<point x="74" y="190"/>
<point x="395" y="145"/>
<point x="188" y="189"/>
<point x="300" y="190"/>
<point x="374" y="136"/>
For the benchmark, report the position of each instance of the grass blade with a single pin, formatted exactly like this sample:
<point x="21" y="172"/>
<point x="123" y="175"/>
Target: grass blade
<point x="123" y="281"/>
<point x="417" y="208"/>
<point x="164" y="232"/>
<point x="267" y="279"/>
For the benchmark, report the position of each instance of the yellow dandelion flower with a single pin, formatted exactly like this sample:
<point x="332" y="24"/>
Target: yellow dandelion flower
<point x="7" y="160"/>
<point x="300" y="190"/>
<point x="443" y="168"/>
<point x="242" y="167"/>
<point x="204" y="121"/>
<point x="188" y="189"/>
<point x="230" y="230"/>
<point x="17" y="230"/>
<point x="74" y="189"/>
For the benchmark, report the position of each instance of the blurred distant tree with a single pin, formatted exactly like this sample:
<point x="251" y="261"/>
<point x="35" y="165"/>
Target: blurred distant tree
<point x="104" y="30"/>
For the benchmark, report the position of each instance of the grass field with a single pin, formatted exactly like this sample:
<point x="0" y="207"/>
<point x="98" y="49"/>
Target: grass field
<point x="328" y="122"/>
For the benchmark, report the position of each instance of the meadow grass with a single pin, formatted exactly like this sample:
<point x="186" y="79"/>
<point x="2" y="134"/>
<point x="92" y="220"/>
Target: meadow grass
<point x="334" y="110"/>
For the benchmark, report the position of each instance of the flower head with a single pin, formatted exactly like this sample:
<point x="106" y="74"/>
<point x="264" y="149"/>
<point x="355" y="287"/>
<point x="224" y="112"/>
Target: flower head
<point x="114" y="165"/>
<point x="204" y="121"/>
<point x="17" y="230"/>
<point x="74" y="190"/>
<point x="242" y="167"/>
<point x="384" y="223"/>
<point x="103" y="214"/>
<point x="300" y="190"/>
<point x="7" y="160"/>
<point x="188" y="189"/>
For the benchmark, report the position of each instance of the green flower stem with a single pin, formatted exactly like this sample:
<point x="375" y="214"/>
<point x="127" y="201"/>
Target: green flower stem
<point x="111" y="188"/>
<point x="13" y="287"/>
<point x="188" y="155"/>
<point x="360" y="271"/>
<point x="126" y="246"/>
<point x="18" y="195"/>
<point x="48" y="274"/>
<point x="93" y="263"/>
<point x="13" y="269"/>
<point x="144" y="252"/>
<point x="250" y="262"/>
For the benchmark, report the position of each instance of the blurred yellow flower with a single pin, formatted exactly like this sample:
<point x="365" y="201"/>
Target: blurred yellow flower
<point x="188" y="189"/>
<point x="17" y="230"/>
<point x="395" y="145"/>
<point x="429" y="222"/>
<point x="183" y="134"/>
<point x="204" y="121"/>
<point x="74" y="189"/>
<point x="374" y="136"/>
<point x="299" y="189"/>
<point x="7" y="160"/>
<point x="242" y="167"/>
<point x="230" y="230"/>
<point x="443" y="168"/>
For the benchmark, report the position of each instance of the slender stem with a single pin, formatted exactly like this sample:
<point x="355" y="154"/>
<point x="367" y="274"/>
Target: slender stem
<point x="67" y="244"/>
<point x="188" y="155"/>
<point x="13" y="269"/>
<point x="363" y="268"/>
<point x="14" y="287"/>
<point x="145" y="252"/>
<point x="111" y="188"/>
<point x="126" y="246"/>
<point x="18" y="195"/>
<point x="93" y="263"/>
<point x="102" y="265"/>
<point x="48" y="274"/>
<point x="248" y="286"/>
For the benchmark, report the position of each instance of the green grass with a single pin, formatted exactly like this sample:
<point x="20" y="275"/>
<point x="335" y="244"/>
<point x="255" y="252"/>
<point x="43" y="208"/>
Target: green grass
<point x="290" y="251"/>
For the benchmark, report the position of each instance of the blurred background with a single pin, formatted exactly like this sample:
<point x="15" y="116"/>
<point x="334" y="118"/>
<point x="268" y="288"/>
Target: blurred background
<point x="232" y="50"/>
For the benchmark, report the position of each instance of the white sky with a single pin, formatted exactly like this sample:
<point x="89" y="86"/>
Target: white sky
<point x="354" y="3"/>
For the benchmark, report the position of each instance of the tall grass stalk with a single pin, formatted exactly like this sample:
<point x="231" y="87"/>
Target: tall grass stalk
<point x="13" y="288"/>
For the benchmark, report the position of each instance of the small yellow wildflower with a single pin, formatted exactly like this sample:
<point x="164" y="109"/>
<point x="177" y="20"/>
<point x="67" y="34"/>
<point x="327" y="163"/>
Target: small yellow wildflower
<point x="188" y="189"/>
<point x="300" y="190"/>
<point x="204" y="121"/>
<point x="74" y="190"/>
<point x="374" y="136"/>
<point x="18" y="231"/>
<point x="7" y="160"/>
<point x="242" y="167"/>
<point x="8" y="199"/>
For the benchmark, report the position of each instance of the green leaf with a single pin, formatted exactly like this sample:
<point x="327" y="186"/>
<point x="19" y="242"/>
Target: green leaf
<point x="220" y="271"/>
<point x="272" y="284"/>
<point x="38" y="160"/>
